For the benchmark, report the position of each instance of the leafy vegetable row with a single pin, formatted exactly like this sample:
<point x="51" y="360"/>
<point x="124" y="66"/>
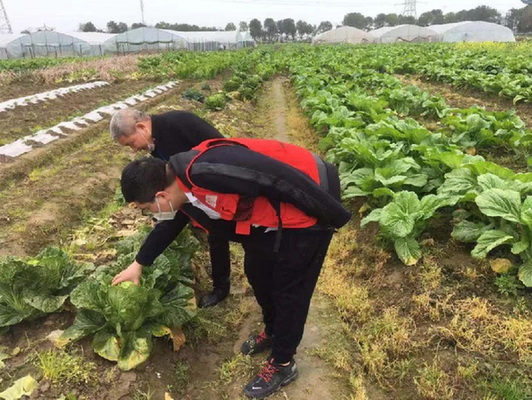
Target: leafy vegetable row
<point x="401" y="165"/>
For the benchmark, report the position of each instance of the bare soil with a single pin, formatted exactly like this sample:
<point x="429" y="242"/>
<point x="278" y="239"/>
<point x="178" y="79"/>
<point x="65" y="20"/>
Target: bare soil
<point x="22" y="121"/>
<point x="23" y="87"/>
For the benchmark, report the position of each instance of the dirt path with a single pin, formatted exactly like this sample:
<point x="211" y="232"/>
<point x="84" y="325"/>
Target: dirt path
<point x="215" y="369"/>
<point x="316" y="380"/>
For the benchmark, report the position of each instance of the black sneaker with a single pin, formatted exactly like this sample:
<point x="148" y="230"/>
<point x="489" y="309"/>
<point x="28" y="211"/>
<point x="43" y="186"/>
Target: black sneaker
<point x="270" y="379"/>
<point x="256" y="344"/>
<point x="213" y="298"/>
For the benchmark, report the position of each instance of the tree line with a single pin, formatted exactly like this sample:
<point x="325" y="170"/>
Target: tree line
<point x="519" y="20"/>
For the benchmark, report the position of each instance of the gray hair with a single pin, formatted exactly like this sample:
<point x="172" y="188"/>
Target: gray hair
<point x="123" y="122"/>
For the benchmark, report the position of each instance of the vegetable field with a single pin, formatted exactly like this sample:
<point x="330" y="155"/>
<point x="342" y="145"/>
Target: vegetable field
<point x="426" y="294"/>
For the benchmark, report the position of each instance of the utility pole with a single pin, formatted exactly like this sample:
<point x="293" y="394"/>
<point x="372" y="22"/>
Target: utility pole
<point x="141" y="10"/>
<point x="5" y="26"/>
<point x="410" y="8"/>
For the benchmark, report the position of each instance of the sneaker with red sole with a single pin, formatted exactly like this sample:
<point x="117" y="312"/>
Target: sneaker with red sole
<point x="270" y="379"/>
<point x="256" y="344"/>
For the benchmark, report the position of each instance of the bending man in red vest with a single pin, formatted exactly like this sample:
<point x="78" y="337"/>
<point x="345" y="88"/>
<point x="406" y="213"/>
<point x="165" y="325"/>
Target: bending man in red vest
<point x="280" y="201"/>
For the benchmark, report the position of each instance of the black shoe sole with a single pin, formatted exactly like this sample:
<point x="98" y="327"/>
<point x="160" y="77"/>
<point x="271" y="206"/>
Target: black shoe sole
<point x="288" y="380"/>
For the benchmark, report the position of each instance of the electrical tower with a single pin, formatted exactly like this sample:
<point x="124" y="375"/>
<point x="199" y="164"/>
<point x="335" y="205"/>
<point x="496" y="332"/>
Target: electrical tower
<point x="410" y="8"/>
<point x="5" y="26"/>
<point x="141" y="10"/>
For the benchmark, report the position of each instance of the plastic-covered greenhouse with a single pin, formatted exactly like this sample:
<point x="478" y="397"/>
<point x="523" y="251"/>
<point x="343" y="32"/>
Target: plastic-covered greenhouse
<point x="141" y="39"/>
<point x="404" y="33"/>
<point x="164" y="39"/>
<point x="345" y="34"/>
<point x="57" y="44"/>
<point x="212" y="40"/>
<point x="473" y="31"/>
<point x="5" y="39"/>
<point x="247" y="39"/>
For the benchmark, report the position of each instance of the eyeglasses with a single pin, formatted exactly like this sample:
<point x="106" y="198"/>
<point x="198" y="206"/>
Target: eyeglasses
<point x="146" y="212"/>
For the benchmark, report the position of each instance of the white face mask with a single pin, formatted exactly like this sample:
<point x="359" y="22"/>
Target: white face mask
<point x="151" y="146"/>
<point x="164" y="215"/>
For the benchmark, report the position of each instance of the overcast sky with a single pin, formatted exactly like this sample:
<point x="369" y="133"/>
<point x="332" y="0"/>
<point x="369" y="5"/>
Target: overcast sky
<point x="67" y="14"/>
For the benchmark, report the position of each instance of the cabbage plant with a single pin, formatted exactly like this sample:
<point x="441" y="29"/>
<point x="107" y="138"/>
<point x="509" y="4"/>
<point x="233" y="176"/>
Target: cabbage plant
<point x="36" y="286"/>
<point x="125" y="318"/>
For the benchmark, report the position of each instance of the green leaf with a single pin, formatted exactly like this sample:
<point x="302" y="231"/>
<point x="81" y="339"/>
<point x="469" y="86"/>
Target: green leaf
<point x="130" y="305"/>
<point x="526" y="212"/>
<point x="430" y="203"/>
<point x="521" y="246"/>
<point x="491" y="181"/>
<point x="488" y="241"/>
<point x="408" y="250"/>
<point x="90" y="294"/>
<point x="469" y="232"/>
<point x="417" y="180"/>
<point x="22" y="387"/>
<point x="44" y="302"/>
<point x="500" y="203"/>
<point x="458" y="182"/>
<point x="373" y="216"/>
<point x="383" y="192"/>
<point x="398" y="218"/>
<point x="525" y="273"/>
<point x="353" y="191"/>
<point x="13" y="308"/>
<point x="177" y="306"/>
<point x="484" y="167"/>
<point x="106" y="345"/>
<point x="136" y="348"/>
<point x="86" y="323"/>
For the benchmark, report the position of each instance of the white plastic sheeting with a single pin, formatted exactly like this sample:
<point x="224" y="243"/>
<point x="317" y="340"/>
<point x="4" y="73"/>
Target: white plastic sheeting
<point x="212" y="40"/>
<point x="144" y="38"/>
<point x="404" y="33"/>
<point x="473" y="31"/>
<point x="57" y="44"/>
<point x="344" y="34"/>
<point x="141" y="39"/>
<point x="5" y="39"/>
<point x="45" y="136"/>
<point x="50" y="95"/>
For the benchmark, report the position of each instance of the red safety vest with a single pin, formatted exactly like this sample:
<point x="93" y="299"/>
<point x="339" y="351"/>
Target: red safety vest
<point x="262" y="213"/>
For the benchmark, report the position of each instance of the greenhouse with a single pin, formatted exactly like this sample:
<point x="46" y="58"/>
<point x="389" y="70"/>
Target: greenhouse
<point x="404" y="33"/>
<point x="57" y="44"/>
<point x="212" y="40"/>
<point x="247" y="39"/>
<point x="344" y="34"/>
<point x="5" y="39"/>
<point x="473" y="31"/>
<point x="145" y="39"/>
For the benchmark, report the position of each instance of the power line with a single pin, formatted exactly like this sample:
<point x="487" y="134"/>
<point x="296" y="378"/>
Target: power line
<point x="410" y="8"/>
<point x="5" y="25"/>
<point x="142" y="12"/>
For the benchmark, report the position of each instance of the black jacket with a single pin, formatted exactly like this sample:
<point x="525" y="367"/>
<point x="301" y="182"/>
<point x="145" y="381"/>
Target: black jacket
<point x="220" y="170"/>
<point x="173" y="132"/>
<point x="178" y="131"/>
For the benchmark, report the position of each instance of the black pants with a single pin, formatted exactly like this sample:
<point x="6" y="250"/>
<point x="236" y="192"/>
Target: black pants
<point x="284" y="283"/>
<point x="220" y="261"/>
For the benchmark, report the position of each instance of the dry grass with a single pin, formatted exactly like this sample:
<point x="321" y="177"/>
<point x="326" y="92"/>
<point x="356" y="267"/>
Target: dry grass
<point x="108" y="69"/>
